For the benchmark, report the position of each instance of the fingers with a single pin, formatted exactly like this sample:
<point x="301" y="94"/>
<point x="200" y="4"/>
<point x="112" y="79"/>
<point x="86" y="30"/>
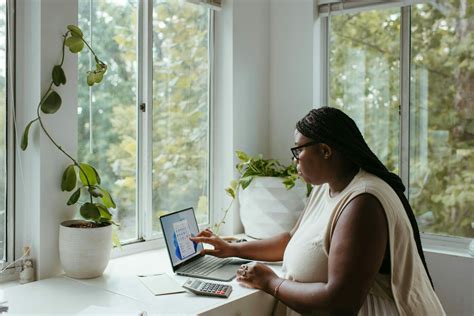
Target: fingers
<point x="211" y="252"/>
<point x="207" y="240"/>
<point x="205" y="233"/>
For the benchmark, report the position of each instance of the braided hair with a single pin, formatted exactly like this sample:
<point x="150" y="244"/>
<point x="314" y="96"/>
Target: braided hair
<point x="336" y="129"/>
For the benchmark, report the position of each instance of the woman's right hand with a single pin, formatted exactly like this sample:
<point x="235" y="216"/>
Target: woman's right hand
<point x="221" y="249"/>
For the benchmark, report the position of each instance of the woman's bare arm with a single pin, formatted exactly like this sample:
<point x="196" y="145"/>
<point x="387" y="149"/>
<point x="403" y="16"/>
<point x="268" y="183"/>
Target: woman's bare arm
<point x="270" y="249"/>
<point x="356" y="253"/>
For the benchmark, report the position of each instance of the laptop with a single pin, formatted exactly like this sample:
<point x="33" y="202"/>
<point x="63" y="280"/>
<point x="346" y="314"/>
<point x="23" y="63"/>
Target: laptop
<point x="185" y="255"/>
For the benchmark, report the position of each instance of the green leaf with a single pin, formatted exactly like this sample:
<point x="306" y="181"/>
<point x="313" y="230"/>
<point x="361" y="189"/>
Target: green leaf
<point x="75" y="30"/>
<point x="58" y="75"/>
<point x="242" y="156"/>
<point x="309" y="188"/>
<point x="24" y="138"/>
<point x="52" y="103"/>
<point x="99" y="76"/>
<point x="105" y="215"/>
<point x="231" y="192"/>
<point x="90" y="78"/>
<point x="69" y="180"/>
<point x="115" y="237"/>
<point x="90" y="211"/>
<point x="89" y="172"/>
<point x="245" y="182"/>
<point x="107" y="198"/>
<point x="75" y="43"/>
<point x="289" y="182"/>
<point x="74" y="197"/>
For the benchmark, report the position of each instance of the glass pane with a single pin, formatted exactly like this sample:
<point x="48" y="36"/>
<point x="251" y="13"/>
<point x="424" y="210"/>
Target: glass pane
<point x="364" y="67"/>
<point x="180" y="109"/>
<point x="3" y="124"/>
<point x="108" y="138"/>
<point x="442" y="117"/>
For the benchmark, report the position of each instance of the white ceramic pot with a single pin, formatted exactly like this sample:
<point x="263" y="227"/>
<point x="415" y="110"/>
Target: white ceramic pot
<point x="267" y="208"/>
<point x="84" y="252"/>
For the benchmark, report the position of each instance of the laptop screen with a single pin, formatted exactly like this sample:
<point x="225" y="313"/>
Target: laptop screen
<point x="177" y="228"/>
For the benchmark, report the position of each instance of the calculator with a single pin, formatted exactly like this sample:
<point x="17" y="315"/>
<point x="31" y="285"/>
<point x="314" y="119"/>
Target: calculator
<point x="200" y="287"/>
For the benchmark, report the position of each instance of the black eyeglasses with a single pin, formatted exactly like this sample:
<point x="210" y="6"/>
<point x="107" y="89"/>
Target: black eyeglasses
<point x="296" y="151"/>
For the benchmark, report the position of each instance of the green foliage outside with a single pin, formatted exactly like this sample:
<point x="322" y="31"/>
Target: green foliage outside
<point x="364" y="82"/>
<point x="179" y="109"/>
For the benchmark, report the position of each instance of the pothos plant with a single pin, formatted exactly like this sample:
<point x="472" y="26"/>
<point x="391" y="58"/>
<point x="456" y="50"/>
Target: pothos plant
<point x="250" y="167"/>
<point x="96" y="208"/>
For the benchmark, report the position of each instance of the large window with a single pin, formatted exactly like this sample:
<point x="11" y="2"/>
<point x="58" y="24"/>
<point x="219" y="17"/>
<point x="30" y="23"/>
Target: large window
<point x="442" y="117"/>
<point x="365" y="77"/>
<point x="3" y="129"/>
<point x="367" y="48"/>
<point x="173" y="150"/>
<point x="180" y="109"/>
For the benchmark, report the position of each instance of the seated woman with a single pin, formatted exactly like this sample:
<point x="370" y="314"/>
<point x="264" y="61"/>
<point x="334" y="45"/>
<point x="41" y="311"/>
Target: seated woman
<point x="356" y="248"/>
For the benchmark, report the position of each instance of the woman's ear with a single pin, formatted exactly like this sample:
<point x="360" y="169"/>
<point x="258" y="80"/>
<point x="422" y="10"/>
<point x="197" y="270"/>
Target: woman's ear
<point x="326" y="151"/>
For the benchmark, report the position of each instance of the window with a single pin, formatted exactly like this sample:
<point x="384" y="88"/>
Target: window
<point x="3" y="130"/>
<point x="364" y="77"/>
<point x="172" y="150"/>
<point x="366" y="56"/>
<point x="180" y="109"/>
<point x="442" y="117"/>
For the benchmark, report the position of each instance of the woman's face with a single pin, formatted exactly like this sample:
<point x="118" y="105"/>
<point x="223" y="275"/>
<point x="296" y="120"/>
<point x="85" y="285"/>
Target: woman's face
<point x="310" y="164"/>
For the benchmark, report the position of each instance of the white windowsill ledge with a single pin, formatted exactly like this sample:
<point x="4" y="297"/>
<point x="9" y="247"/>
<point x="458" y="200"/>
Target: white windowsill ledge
<point x="447" y="245"/>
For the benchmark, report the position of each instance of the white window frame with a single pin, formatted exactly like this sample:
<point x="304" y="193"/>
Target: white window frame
<point x="437" y="243"/>
<point x="146" y="240"/>
<point x="10" y="273"/>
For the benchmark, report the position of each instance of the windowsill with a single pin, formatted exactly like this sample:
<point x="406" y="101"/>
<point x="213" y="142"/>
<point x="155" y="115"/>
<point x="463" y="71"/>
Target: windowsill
<point x="446" y="245"/>
<point x="119" y="287"/>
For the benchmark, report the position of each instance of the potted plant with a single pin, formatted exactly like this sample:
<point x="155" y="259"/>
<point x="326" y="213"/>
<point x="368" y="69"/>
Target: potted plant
<point x="84" y="245"/>
<point x="272" y="196"/>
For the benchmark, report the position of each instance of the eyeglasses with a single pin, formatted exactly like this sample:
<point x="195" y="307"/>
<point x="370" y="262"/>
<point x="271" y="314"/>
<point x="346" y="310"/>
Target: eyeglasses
<point x="296" y="151"/>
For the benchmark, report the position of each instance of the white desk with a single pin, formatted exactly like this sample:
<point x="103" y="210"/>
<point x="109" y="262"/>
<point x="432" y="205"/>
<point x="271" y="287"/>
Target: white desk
<point x="119" y="290"/>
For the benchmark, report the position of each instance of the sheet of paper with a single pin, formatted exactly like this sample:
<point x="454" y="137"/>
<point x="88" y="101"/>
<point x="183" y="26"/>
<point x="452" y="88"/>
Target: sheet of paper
<point x="101" y="310"/>
<point x="161" y="284"/>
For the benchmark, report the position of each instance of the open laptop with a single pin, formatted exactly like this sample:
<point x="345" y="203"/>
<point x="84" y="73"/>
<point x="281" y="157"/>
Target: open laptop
<point x="185" y="254"/>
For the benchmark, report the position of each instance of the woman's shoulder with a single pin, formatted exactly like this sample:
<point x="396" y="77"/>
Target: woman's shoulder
<point x="373" y="183"/>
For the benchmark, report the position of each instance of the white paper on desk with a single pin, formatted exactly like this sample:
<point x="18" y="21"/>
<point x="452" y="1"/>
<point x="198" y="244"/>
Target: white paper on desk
<point x="101" y="310"/>
<point x="161" y="284"/>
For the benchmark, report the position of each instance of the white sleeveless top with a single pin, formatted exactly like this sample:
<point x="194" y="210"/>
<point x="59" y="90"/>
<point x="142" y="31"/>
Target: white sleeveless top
<point x="406" y="291"/>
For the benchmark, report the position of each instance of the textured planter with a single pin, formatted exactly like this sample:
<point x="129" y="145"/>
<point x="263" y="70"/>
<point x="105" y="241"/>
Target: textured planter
<point x="84" y="252"/>
<point x="267" y="208"/>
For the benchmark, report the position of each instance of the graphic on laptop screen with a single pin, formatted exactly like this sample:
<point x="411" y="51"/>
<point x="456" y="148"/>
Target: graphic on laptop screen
<point x="178" y="228"/>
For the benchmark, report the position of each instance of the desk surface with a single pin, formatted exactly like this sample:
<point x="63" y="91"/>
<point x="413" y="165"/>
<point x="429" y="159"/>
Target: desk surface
<point x="119" y="290"/>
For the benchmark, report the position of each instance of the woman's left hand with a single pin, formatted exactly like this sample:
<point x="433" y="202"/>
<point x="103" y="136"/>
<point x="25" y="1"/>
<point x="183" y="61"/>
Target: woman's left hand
<point x="255" y="275"/>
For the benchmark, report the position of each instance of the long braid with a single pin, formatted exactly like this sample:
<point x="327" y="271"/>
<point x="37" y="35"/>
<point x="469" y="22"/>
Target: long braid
<point x="336" y="129"/>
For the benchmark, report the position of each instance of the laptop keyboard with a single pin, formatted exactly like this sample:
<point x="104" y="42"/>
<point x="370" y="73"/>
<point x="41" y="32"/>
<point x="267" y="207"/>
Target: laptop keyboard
<point x="204" y="266"/>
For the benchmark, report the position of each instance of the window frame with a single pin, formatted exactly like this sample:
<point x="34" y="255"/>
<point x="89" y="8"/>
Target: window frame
<point x="453" y="245"/>
<point x="145" y="239"/>
<point x="10" y="255"/>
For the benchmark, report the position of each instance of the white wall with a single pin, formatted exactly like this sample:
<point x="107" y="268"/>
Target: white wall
<point x="241" y="98"/>
<point x="40" y="205"/>
<point x="453" y="278"/>
<point x="291" y="72"/>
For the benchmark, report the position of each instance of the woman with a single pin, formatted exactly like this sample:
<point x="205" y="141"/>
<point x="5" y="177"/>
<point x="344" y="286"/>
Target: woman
<point x="356" y="248"/>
